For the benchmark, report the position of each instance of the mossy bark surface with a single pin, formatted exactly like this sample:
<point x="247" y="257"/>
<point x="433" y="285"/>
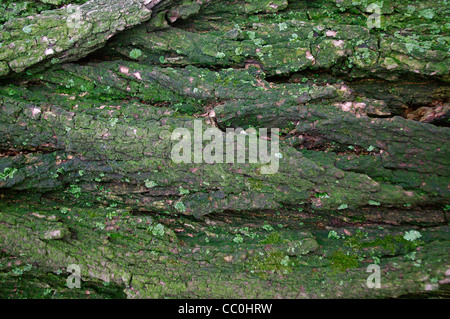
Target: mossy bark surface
<point x="90" y="94"/>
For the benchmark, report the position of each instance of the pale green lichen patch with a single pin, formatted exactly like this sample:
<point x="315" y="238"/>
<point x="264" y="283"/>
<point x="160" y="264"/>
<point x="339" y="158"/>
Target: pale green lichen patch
<point x="8" y="172"/>
<point x="135" y="53"/>
<point x="412" y="235"/>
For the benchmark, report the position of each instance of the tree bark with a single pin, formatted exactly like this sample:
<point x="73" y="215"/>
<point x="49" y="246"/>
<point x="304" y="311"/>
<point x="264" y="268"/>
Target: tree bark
<point x="67" y="33"/>
<point x="87" y="115"/>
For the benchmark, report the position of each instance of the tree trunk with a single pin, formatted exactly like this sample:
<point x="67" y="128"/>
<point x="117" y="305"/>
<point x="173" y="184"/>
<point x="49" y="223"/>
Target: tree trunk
<point x="89" y="110"/>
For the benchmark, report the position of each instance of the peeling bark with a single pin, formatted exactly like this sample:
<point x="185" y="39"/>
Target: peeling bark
<point x="65" y="34"/>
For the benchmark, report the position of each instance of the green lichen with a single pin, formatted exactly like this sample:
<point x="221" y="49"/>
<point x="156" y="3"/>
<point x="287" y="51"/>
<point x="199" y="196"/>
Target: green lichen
<point x="150" y="184"/>
<point x="27" y="29"/>
<point x="267" y="227"/>
<point x="135" y="53"/>
<point x="179" y="206"/>
<point x="238" y="239"/>
<point x="389" y="244"/>
<point x="8" y="172"/>
<point x="184" y="191"/>
<point x="412" y="235"/>
<point x="273" y="261"/>
<point x="157" y="230"/>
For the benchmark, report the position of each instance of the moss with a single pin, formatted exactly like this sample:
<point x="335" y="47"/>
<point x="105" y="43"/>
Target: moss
<point x="388" y="244"/>
<point x="266" y="263"/>
<point x="343" y="260"/>
<point x="272" y="238"/>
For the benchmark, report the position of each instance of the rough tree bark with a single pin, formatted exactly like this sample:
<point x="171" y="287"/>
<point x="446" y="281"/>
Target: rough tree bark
<point x="87" y="177"/>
